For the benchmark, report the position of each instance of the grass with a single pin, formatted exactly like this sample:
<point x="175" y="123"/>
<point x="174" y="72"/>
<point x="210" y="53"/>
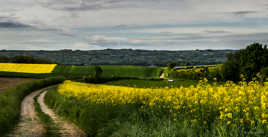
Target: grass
<point x="51" y="128"/>
<point x="109" y="71"/>
<point x="123" y="119"/>
<point x="152" y="83"/>
<point x="105" y="120"/>
<point x="77" y="72"/>
<point x="10" y="101"/>
<point x="24" y="75"/>
<point x="131" y="71"/>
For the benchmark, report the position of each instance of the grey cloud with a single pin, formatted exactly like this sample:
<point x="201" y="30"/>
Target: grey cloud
<point x="217" y="31"/>
<point x="82" y="5"/>
<point x="241" y="13"/>
<point x="13" y="25"/>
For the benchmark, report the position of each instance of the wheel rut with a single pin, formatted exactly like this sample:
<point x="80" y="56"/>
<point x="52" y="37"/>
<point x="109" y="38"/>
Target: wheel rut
<point x="66" y="128"/>
<point x="30" y="124"/>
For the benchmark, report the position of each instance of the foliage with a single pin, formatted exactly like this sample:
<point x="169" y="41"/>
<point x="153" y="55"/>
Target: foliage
<point x="127" y="57"/>
<point x="171" y="65"/>
<point x="11" y="98"/>
<point x="264" y="72"/>
<point x="194" y="72"/>
<point x="202" y="110"/>
<point x="24" y="59"/>
<point x="97" y="72"/>
<point x="248" y="62"/>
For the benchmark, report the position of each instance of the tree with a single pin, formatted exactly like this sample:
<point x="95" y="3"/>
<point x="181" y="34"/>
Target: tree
<point x="4" y="59"/>
<point x="97" y="72"/>
<point x="171" y="65"/>
<point x="248" y="62"/>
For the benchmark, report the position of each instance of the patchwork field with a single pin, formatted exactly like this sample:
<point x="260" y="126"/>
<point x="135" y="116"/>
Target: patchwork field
<point x="130" y="101"/>
<point x="12" y="82"/>
<point x="27" y="68"/>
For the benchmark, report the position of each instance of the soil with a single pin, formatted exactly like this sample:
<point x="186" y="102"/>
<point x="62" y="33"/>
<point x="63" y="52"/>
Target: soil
<point x="11" y="82"/>
<point x="30" y="124"/>
<point x="66" y="128"/>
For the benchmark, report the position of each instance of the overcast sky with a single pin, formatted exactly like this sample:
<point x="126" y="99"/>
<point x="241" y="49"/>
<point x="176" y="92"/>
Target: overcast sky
<point x="136" y="24"/>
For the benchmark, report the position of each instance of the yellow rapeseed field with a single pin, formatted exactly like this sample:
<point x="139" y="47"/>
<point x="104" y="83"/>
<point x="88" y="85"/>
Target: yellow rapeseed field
<point x="27" y="68"/>
<point x="231" y="104"/>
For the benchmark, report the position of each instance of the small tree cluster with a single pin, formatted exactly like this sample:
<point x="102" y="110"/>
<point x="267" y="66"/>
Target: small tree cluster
<point x="248" y="62"/>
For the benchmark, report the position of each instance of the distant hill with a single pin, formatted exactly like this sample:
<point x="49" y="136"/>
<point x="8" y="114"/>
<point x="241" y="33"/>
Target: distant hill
<point x="126" y="56"/>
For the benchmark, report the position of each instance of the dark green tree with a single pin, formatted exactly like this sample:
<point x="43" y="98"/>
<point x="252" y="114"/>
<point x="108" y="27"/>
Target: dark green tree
<point x="4" y="59"/>
<point x="97" y="72"/>
<point x="171" y="65"/>
<point x="247" y="61"/>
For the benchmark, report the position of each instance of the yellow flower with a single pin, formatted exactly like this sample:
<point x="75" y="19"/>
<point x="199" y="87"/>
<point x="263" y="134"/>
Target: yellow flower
<point x="235" y="103"/>
<point x="27" y="68"/>
<point x="241" y="120"/>
<point x="229" y="115"/>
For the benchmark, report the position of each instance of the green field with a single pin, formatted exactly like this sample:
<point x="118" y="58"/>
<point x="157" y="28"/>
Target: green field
<point x="76" y="72"/>
<point x="110" y="71"/>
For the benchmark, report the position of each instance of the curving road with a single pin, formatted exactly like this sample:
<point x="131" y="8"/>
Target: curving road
<point x="30" y="124"/>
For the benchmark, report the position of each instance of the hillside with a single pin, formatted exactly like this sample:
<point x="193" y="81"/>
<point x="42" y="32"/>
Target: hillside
<point x="126" y="56"/>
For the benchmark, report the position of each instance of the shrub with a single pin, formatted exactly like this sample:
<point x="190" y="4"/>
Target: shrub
<point x="264" y="72"/>
<point x="248" y="62"/>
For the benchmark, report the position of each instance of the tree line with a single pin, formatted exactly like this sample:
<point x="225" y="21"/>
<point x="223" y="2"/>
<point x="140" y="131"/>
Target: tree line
<point x="24" y="59"/>
<point x="250" y="62"/>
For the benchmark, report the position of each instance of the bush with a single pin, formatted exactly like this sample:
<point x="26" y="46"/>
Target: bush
<point x="11" y="98"/>
<point x="248" y="62"/>
<point x="171" y="65"/>
<point x="264" y="72"/>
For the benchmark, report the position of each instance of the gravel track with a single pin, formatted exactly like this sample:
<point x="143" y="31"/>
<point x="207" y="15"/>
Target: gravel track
<point x="66" y="128"/>
<point x="30" y="124"/>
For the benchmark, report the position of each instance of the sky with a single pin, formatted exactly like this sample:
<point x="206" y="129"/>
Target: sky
<point x="132" y="24"/>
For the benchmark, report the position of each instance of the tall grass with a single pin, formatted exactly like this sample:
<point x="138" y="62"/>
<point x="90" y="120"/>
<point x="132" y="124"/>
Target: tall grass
<point x="106" y="120"/>
<point x="11" y="98"/>
<point x="204" y="110"/>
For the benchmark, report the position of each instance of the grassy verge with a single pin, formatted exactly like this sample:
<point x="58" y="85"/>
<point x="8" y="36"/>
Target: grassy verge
<point x="10" y="101"/>
<point x="51" y="128"/>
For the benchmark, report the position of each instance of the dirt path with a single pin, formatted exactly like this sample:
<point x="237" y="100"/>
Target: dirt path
<point x="162" y="76"/>
<point x="67" y="129"/>
<point x="30" y="125"/>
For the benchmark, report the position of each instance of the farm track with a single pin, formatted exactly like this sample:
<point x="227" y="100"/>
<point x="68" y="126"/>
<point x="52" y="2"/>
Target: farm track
<point x="66" y="128"/>
<point x="30" y="124"/>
